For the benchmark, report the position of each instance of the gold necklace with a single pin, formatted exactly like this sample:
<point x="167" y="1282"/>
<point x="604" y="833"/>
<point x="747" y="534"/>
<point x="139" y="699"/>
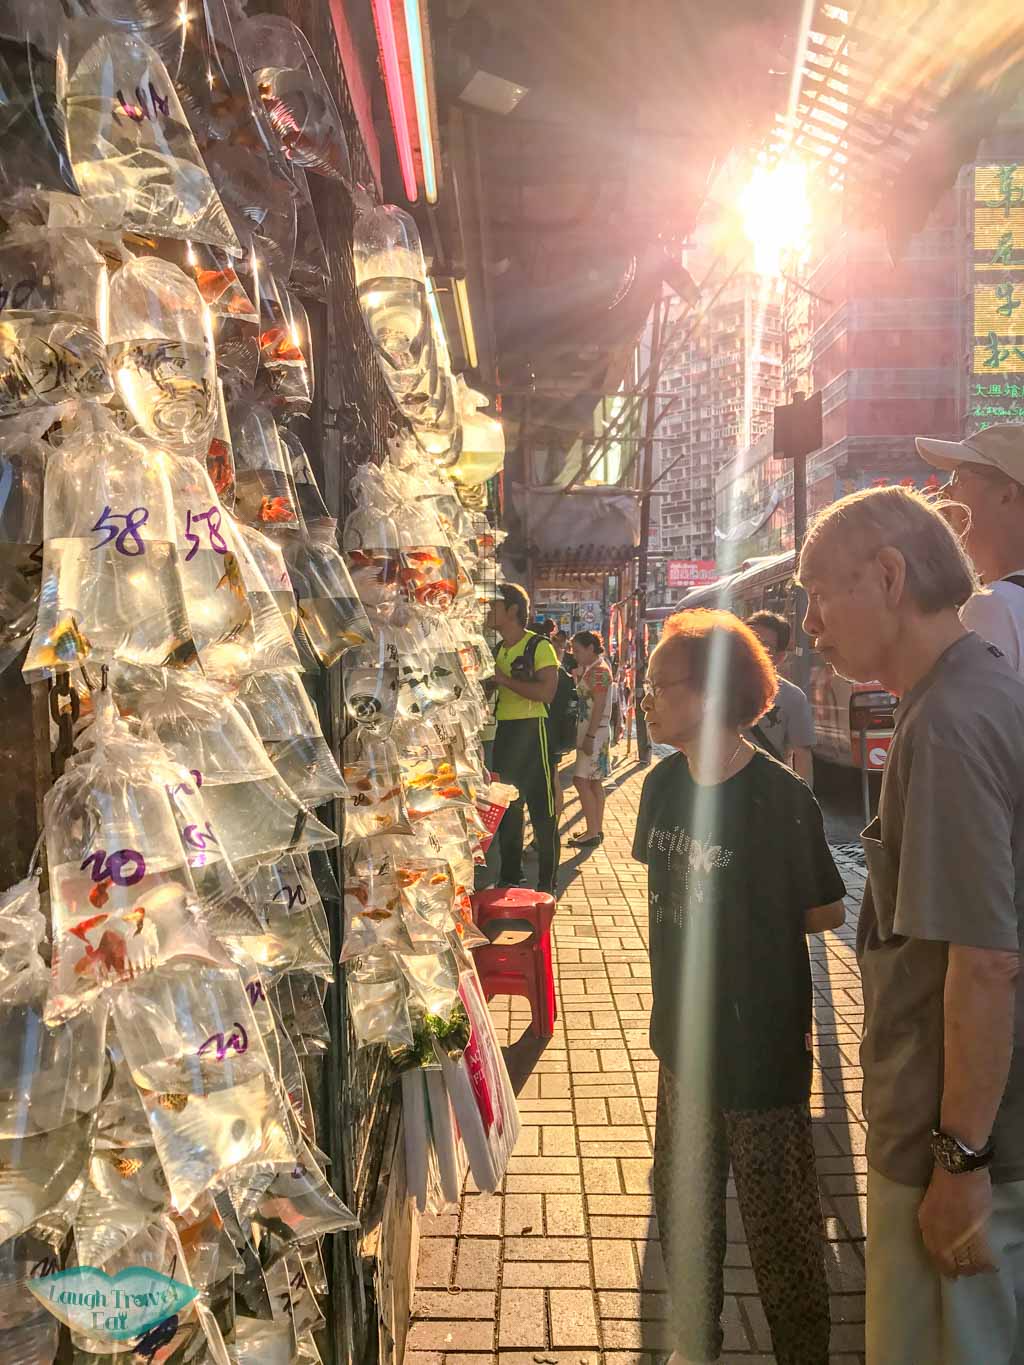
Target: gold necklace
<point x="729" y="762"/>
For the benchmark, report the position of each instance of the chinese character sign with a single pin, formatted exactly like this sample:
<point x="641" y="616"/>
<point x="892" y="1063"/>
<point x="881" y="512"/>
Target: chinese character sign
<point x="690" y="573"/>
<point x="998" y="295"/>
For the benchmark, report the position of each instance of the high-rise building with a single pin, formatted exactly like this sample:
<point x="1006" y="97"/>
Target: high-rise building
<point x="722" y="379"/>
<point x="881" y="340"/>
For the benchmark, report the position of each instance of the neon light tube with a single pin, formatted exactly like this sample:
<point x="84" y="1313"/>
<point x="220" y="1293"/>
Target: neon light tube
<point x="417" y="54"/>
<point x="388" y="44"/>
<point x="466" y="318"/>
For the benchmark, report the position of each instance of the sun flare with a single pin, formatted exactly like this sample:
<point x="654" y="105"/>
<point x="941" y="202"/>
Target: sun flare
<point x="775" y="212"/>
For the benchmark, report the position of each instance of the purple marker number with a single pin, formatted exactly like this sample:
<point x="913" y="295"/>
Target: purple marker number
<point x="107" y="523"/>
<point x="292" y="893"/>
<point x="199" y="838"/>
<point x="237" y="1041"/>
<point x="212" y="518"/>
<point x="123" y="868"/>
<point x="254" y="990"/>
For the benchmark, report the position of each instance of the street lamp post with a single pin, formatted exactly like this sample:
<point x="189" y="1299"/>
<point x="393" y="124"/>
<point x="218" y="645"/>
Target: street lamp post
<point x="797" y="433"/>
<point x="643" y="739"/>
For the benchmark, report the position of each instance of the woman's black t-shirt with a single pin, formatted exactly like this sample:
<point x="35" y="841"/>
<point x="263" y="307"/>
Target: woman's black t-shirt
<point x="731" y="871"/>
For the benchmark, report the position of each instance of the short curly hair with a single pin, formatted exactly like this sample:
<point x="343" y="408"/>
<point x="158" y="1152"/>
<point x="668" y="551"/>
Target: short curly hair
<point x="721" y="652"/>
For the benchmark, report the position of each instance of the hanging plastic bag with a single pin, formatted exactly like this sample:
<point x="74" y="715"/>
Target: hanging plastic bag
<point x="196" y="1056"/>
<point x="300" y="1205"/>
<point x="260" y="204"/>
<point x="287" y="723"/>
<point x="122" y="898"/>
<point x="220" y="455"/>
<point x="295" y="98"/>
<point x="134" y="157"/>
<point x="428" y="573"/>
<point x="287" y="898"/>
<point x="425" y="884"/>
<point x="213" y="271"/>
<point x="111" y="585"/>
<point x="53" y="303"/>
<point x="313" y="511"/>
<point x="220" y="619"/>
<point x="256" y="817"/>
<point x="377" y="1003"/>
<point x="331" y="615"/>
<point x="273" y="646"/>
<point x="373" y="905"/>
<point x="311" y="274"/>
<point x="50" y="1080"/>
<point x="299" y="1003"/>
<point x="376" y="802"/>
<point x="30" y="1333"/>
<point x="162" y="354"/>
<point x="22" y="465"/>
<point x="391" y="280"/>
<point x="370" y="679"/>
<point x="370" y="542"/>
<point x="285" y="378"/>
<point x="32" y="129"/>
<point x="265" y="494"/>
<point x="429" y="778"/>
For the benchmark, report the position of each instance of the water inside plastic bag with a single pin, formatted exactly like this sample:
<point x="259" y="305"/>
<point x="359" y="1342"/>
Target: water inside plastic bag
<point x="332" y="617"/>
<point x="161" y="353"/>
<point x="111" y="587"/>
<point x="28" y="1332"/>
<point x="195" y="1053"/>
<point x="53" y="318"/>
<point x="133" y="153"/>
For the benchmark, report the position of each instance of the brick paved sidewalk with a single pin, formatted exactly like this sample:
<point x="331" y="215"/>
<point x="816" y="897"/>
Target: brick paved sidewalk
<point x="562" y="1267"/>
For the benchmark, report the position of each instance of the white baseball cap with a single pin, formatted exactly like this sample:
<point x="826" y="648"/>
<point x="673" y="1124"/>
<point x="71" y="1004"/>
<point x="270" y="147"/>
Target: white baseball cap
<point x="1001" y="447"/>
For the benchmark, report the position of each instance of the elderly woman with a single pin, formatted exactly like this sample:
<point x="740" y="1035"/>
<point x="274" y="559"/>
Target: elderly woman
<point x="739" y="872"/>
<point x="593" y="737"/>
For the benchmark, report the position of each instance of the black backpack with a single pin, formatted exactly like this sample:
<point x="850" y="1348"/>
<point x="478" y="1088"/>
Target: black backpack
<point x="563" y="715"/>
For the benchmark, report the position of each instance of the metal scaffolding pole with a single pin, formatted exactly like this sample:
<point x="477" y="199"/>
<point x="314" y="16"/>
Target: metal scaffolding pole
<point x="643" y="739"/>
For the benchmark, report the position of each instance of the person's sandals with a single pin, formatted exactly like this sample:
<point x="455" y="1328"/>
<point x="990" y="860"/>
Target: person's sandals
<point x="581" y="841"/>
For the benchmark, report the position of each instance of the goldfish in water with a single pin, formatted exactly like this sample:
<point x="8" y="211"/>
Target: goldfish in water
<point x="276" y="509"/>
<point x="125" y="1166"/>
<point x="99" y="895"/>
<point x="69" y="645"/>
<point x="232" y="577"/>
<point x="172" y="1102"/>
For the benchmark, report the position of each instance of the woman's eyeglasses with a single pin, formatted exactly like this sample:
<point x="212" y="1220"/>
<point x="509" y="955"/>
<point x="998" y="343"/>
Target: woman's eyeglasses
<point x="655" y="689"/>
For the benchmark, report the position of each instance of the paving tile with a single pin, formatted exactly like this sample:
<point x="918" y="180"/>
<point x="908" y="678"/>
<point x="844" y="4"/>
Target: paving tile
<point x="442" y="1304"/>
<point x="573" y="1318"/>
<point x="436" y="1261"/>
<point x="564" y="1216"/>
<point x="523" y="1320"/>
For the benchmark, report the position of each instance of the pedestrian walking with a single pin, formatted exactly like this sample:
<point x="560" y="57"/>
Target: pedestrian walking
<point x="526" y="678"/>
<point x="738" y="873"/>
<point x="987" y="478"/>
<point x="593" y="735"/>
<point x="939" y="939"/>
<point x="786" y="729"/>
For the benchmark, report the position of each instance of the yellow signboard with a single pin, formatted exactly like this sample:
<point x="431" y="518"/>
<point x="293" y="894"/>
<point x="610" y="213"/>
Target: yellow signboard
<point x="998" y="284"/>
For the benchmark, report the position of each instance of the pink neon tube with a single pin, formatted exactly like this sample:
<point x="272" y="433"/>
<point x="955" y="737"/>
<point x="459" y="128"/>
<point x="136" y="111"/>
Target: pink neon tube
<point x="396" y="95"/>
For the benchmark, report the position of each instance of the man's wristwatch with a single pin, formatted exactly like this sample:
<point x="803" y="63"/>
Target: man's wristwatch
<point x="956" y="1157"/>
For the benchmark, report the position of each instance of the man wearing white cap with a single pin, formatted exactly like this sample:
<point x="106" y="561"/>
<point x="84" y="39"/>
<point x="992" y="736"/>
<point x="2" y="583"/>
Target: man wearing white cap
<point x="988" y="478"/>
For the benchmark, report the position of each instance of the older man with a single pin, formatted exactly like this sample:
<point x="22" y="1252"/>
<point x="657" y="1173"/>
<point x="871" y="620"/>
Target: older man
<point x="940" y="936"/>
<point x="987" y="477"/>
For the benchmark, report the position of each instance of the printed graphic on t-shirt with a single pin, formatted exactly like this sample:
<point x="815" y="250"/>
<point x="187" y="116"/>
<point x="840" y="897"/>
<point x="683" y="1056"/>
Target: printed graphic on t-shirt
<point x="692" y="865"/>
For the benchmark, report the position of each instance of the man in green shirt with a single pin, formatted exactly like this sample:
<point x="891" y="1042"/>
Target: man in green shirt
<point x="526" y="678"/>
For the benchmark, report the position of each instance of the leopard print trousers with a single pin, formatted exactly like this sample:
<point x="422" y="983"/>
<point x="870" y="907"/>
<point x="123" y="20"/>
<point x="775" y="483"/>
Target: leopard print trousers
<point x="772" y="1159"/>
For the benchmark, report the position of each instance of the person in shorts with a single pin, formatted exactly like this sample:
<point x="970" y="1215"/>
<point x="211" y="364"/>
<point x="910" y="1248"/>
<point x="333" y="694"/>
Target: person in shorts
<point x="593" y="736"/>
<point x="739" y="873"/>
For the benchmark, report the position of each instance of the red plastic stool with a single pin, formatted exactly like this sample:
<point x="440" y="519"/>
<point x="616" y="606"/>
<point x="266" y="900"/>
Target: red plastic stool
<point x="517" y="960"/>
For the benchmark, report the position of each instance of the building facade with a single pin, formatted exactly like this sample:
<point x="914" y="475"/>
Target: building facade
<point x="719" y="383"/>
